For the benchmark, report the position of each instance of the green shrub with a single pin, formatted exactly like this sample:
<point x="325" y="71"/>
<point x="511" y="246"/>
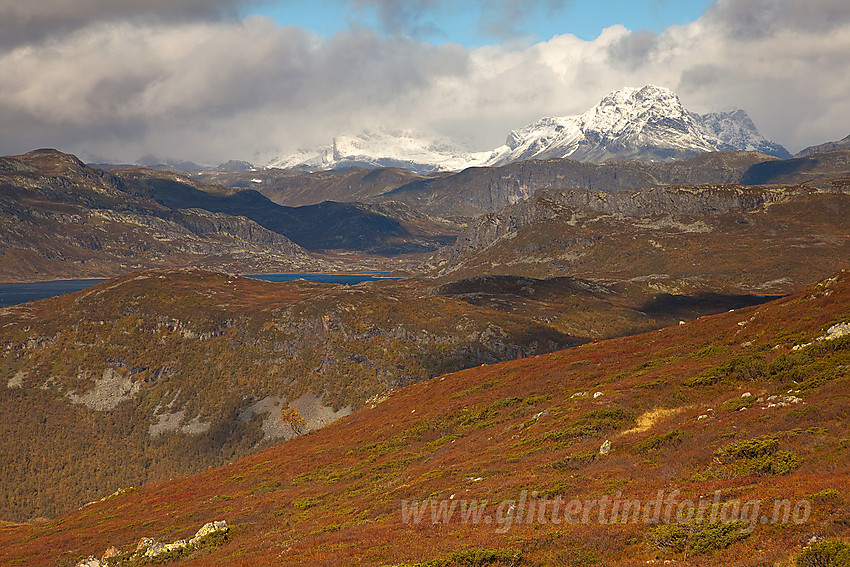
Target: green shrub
<point x="707" y="378"/>
<point x="745" y="368"/>
<point x="674" y="536"/>
<point x="717" y="536"/>
<point x="760" y="456"/>
<point x="655" y="442"/>
<point x="473" y="557"/>
<point x="471" y="417"/>
<point x="751" y="448"/>
<point x="561" y="488"/>
<point x="711" y="537"/>
<point x="709" y="351"/>
<point x="813" y="366"/>
<point x="653" y="384"/>
<point x="739" y="403"/>
<point x="825" y="554"/>
<point x="596" y="422"/>
<point x="305" y="502"/>
<point x="799" y="413"/>
<point x="782" y="462"/>
<point x="505" y="402"/>
<point x="575" y="461"/>
<point x="827" y="494"/>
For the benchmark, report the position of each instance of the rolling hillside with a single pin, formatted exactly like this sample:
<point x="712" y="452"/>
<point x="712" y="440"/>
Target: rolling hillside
<point x="741" y="415"/>
<point x="162" y="373"/>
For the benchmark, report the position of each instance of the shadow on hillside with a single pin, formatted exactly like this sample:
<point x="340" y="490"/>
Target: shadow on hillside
<point x="478" y="289"/>
<point x="692" y="306"/>
<point x="769" y="171"/>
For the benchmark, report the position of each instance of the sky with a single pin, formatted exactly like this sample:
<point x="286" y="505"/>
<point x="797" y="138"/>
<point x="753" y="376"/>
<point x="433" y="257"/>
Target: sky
<point x="213" y="80"/>
<point x="476" y="24"/>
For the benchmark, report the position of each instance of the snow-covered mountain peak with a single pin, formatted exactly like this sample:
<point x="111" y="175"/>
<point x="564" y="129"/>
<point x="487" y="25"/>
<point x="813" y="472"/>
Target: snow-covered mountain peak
<point x="631" y="123"/>
<point x="638" y="101"/>
<point x="645" y="123"/>
<point x="631" y="109"/>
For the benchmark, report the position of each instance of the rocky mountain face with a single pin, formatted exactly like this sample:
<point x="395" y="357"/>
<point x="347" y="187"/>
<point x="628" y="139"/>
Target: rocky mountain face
<point x="480" y="190"/>
<point x="60" y="218"/>
<point x="736" y="131"/>
<point x="484" y="190"/>
<point x="646" y="124"/>
<point x="675" y="238"/>
<point x="293" y="189"/>
<point x="738" y="417"/>
<point x="825" y="166"/>
<point x="378" y="229"/>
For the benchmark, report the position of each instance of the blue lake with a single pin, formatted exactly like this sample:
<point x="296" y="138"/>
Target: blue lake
<point x="15" y="293"/>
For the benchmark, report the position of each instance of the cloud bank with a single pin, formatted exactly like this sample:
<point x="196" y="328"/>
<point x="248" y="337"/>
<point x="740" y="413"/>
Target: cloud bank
<point x="187" y="79"/>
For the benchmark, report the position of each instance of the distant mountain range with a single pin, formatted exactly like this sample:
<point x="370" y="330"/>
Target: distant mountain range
<point x="60" y="218"/>
<point x="646" y="124"/>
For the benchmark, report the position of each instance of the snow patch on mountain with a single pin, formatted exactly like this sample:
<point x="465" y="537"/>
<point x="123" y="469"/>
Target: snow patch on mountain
<point x="419" y="152"/>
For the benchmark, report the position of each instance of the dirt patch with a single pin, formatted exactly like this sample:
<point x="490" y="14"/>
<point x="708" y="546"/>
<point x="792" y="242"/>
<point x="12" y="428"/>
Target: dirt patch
<point x="650" y="418"/>
<point x="175" y="422"/>
<point x="109" y="390"/>
<point x="17" y="381"/>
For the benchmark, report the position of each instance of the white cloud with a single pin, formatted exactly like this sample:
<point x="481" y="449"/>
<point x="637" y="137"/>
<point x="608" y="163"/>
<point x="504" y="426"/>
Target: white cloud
<point x="220" y="88"/>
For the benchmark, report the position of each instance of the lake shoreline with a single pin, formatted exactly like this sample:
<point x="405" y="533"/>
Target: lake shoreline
<point x="377" y="275"/>
<point x="17" y="293"/>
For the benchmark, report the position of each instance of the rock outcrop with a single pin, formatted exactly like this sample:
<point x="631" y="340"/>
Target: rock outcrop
<point x="150" y="550"/>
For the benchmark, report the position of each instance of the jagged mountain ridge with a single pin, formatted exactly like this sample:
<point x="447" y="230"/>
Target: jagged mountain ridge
<point x="647" y="123"/>
<point x="736" y="129"/>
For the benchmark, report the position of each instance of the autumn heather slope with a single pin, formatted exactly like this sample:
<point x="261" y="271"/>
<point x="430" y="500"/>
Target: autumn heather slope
<point x="174" y="371"/>
<point x="746" y="406"/>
